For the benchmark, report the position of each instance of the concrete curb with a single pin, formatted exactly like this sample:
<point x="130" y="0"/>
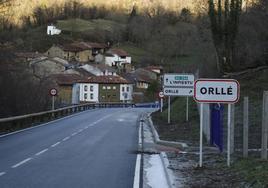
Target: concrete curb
<point x="165" y="162"/>
<point x="179" y="145"/>
<point x="168" y="173"/>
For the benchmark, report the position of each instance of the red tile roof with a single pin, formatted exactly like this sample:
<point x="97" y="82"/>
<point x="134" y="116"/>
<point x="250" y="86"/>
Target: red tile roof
<point x="66" y="79"/>
<point x="154" y="67"/>
<point x="81" y="46"/>
<point x="97" y="45"/>
<point x="76" y="47"/>
<point x="118" y="52"/>
<point x="106" y="80"/>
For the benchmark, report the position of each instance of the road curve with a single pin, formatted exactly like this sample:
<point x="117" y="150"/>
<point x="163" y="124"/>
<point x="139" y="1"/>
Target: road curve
<point x="93" y="149"/>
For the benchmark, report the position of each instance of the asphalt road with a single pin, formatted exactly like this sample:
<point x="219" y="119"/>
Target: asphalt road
<point x="93" y="149"/>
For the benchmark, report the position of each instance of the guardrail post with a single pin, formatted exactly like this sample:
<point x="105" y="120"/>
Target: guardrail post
<point x="264" y="126"/>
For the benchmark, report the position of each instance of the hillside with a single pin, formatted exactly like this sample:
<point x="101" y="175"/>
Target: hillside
<point x="21" y="10"/>
<point x="79" y="25"/>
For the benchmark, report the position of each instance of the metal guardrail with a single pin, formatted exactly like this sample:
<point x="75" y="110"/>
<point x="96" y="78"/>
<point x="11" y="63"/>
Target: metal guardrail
<point x="15" y="123"/>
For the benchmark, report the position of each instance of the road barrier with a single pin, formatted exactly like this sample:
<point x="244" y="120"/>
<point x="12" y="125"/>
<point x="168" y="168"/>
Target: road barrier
<point x="15" y="123"/>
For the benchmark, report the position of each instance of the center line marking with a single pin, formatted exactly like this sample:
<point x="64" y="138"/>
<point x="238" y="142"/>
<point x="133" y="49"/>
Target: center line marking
<point x="66" y="138"/>
<point x="2" y="173"/>
<point x="21" y="163"/>
<point x="39" y="153"/>
<point x="74" y="134"/>
<point x="54" y="145"/>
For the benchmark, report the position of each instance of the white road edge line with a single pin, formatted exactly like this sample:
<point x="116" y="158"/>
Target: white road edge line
<point x="136" y="183"/>
<point x="22" y="162"/>
<point x="41" y="152"/>
<point x="2" y="173"/>
<point x="66" y="138"/>
<point x="54" y="145"/>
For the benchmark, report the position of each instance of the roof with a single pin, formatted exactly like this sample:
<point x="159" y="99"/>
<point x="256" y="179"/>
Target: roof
<point x="81" y="46"/>
<point x="151" y="68"/>
<point x="104" y="67"/>
<point x="97" y="45"/>
<point x="135" y="77"/>
<point x="106" y="80"/>
<point x="76" y="47"/>
<point x="118" y="52"/>
<point x="66" y="79"/>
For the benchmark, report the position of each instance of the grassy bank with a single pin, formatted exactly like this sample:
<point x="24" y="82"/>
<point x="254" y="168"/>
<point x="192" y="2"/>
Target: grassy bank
<point x="178" y="129"/>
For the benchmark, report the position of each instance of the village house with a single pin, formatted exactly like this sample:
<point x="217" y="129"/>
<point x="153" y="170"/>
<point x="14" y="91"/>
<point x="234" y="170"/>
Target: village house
<point x="52" y="30"/>
<point x="65" y="84"/>
<point x="118" y="58"/>
<point x="44" y="66"/>
<point x="141" y="78"/>
<point x="80" y="51"/>
<point x="105" y="89"/>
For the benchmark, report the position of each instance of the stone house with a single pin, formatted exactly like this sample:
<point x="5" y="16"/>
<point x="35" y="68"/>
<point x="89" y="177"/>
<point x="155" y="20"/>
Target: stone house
<point x="79" y="51"/>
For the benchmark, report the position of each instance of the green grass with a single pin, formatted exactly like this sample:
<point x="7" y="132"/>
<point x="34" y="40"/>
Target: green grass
<point x="80" y="25"/>
<point x="179" y="129"/>
<point x="254" y="171"/>
<point x="136" y="53"/>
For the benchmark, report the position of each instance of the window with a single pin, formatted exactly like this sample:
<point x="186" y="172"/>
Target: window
<point x="91" y="88"/>
<point x="123" y="89"/>
<point x="91" y="96"/>
<point x="85" y="88"/>
<point x="85" y="96"/>
<point x="127" y="89"/>
<point x="103" y="87"/>
<point x="114" y="87"/>
<point x="108" y="87"/>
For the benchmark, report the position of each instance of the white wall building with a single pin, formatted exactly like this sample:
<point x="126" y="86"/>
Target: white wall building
<point x="117" y="57"/>
<point x="52" y="30"/>
<point x="75" y="93"/>
<point x="126" y="91"/>
<point x="89" y="92"/>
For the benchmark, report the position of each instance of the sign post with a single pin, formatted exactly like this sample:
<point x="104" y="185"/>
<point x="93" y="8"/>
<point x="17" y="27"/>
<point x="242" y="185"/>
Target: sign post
<point x="187" y="109"/>
<point x="161" y="96"/>
<point x="201" y="136"/>
<point x="53" y="92"/>
<point x="216" y="91"/>
<point x="168" y="109"/>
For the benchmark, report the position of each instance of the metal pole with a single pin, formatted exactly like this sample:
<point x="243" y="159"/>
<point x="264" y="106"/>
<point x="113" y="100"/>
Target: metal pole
<point x="161" y="104"/>
<point x="229" y="135"/>
<point x="53" y="102"/>
<point x="187" y="109"/>
<point x="168" y="109"/>
<point x="201" y="136"/>
<point x="245" y="128"/>
<point x="264" y="126"/>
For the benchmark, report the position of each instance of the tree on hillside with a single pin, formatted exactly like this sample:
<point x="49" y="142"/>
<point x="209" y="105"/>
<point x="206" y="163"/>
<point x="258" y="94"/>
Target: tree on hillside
<point x="224" y="18"/>
<point x="5" y="6"/>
